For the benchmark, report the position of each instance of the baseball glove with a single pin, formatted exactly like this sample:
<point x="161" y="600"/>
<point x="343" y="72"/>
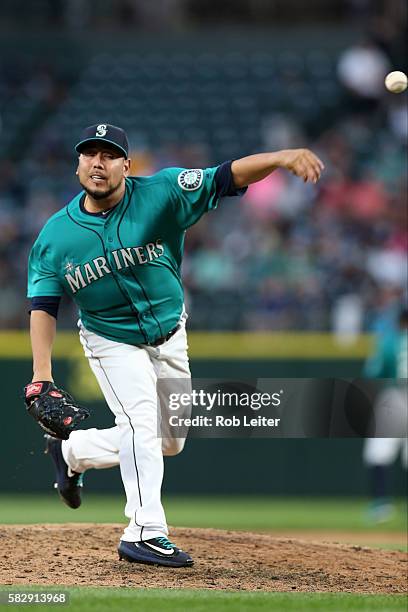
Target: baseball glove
<point x="54" y="409"/>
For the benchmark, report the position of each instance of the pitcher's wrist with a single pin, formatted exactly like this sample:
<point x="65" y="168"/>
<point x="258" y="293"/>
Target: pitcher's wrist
<point x="42" y="375"/>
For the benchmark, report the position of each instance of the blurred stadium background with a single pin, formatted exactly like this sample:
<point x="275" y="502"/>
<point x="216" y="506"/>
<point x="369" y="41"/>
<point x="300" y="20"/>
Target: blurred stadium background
<point x="196" y="82"/>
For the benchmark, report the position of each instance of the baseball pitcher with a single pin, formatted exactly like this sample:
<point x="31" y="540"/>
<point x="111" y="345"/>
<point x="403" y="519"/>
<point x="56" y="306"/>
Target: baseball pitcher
<point x="116" y="250"/>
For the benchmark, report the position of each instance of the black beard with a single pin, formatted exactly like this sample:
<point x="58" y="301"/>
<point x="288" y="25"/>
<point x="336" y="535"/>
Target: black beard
<point x="100" y="195"/>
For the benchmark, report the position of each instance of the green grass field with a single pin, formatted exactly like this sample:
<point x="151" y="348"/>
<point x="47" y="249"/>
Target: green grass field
<point x="231" y="512"/>
<point x="158" y="600"/>
<point x="244" y="513"/>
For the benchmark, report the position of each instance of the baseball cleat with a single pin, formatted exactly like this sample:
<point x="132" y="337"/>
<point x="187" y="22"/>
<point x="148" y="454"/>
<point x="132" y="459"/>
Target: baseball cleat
<point x="68" y="487"/>
<point x="157" y="551"/>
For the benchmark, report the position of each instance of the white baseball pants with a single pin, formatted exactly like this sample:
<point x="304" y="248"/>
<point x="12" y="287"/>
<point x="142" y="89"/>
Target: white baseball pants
<point x="127" y="376"/>
<point x="390" y="410"/>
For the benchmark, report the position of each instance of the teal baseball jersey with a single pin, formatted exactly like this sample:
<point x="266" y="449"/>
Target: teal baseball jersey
<point x="390" y="358"/>
<point x="122" y="269"/>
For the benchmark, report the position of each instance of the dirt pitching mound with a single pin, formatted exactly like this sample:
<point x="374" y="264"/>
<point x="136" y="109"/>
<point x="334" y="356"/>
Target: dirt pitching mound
<point x="85" y="555"/>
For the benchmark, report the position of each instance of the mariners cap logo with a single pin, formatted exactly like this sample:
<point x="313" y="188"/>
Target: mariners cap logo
<point x="101" y="130"/>
<point x="190" y="180"/>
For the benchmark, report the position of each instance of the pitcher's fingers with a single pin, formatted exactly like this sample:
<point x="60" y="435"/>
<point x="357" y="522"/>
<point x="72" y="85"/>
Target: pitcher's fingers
<point x="313" y="171"/>
<point x="318" y="172"/>
<point x="318" y="161"/>
<point x="302" y="171"/>
<point x="314" y="162"/>
<point x="313" y="176"/>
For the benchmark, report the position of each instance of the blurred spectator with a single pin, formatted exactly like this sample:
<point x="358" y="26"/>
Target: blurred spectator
<point x="362" y="69"/>
<point x="347" y="318"/>
<point x="389" y="361"/>
<point x="286" y="256"/>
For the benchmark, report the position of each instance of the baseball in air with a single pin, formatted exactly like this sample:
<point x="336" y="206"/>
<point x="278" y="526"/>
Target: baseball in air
<point x="396" y="81"/>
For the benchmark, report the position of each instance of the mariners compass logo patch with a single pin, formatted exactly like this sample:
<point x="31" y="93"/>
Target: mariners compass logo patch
<point x="190" y="180"/>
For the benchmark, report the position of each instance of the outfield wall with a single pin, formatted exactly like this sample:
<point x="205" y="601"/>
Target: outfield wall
<point x="261" y="466"/>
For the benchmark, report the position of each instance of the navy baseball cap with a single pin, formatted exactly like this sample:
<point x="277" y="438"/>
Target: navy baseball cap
<point x="106" y="133"/>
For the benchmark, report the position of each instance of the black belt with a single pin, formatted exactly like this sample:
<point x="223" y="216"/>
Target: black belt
<point x="164" y="339"/>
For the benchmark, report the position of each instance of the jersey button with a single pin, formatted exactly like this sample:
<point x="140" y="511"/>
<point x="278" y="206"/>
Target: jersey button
<point x="110" y="239"/>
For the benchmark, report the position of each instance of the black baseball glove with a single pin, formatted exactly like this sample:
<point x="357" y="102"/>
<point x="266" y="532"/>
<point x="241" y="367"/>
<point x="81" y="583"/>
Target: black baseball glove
<point x="54" y="409"/>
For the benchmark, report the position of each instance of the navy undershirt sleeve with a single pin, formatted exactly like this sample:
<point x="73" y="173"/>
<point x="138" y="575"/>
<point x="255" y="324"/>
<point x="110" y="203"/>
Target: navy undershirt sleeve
<point x="225" y="182"/>
<point x="46" y="303"/>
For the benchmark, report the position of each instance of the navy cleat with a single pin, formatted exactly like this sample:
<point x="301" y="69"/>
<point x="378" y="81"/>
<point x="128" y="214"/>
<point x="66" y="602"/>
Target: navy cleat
<point x="68" y="487"/>
<point x="157" y="551"/>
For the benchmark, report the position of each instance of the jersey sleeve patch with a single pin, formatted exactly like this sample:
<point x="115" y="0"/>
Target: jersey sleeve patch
<point x="190" y="180"/>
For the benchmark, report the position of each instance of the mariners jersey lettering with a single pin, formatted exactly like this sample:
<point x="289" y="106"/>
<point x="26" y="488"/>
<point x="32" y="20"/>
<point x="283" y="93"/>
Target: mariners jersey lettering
<point x="79" y="277"/>
<point x="123" y="269"/>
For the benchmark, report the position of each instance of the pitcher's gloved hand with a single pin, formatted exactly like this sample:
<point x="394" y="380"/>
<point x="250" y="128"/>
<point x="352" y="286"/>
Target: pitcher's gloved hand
<point x="54" y="409"/>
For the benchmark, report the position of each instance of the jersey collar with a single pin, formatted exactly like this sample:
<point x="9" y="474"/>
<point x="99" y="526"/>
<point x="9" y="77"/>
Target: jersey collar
<point x="104" y="214"/>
